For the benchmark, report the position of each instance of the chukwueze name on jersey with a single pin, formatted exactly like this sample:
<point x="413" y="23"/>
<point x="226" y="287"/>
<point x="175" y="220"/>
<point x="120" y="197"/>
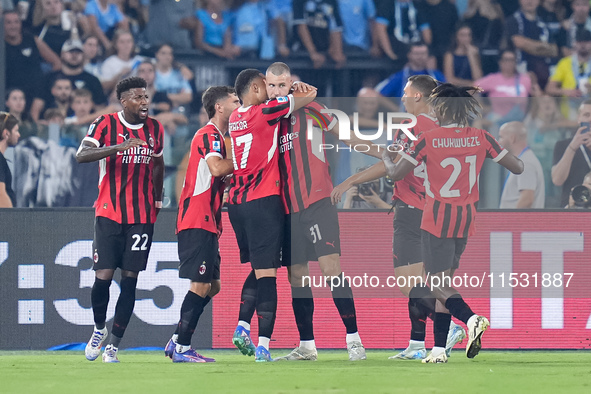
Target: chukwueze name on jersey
<point x="464" y="142"/>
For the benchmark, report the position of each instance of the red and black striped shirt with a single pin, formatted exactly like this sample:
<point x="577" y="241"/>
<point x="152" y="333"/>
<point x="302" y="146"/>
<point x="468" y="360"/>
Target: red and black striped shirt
<point x="411" y="189"/>
<point x="304" y="168"/>
<point x="126" y="189"/>
<point x="453" y="158"/>
<point x="200" y="205"/>
<point x="255" y="132"/>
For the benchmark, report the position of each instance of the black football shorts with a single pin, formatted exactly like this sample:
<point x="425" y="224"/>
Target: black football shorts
<point x="124" y="246"/>
<point x="199" y="255"/>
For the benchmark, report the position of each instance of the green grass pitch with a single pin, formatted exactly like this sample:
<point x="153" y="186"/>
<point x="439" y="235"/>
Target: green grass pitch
<point x="151" y="372"/>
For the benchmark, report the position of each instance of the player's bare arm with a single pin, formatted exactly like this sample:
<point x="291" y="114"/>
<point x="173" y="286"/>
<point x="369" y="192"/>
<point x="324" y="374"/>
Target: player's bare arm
<point x="396" y="171"/>
<point x="220" y="167"/>
<point x="158" y="178"/>
<point x="374" y="172"/>
<point x="301" y="99"/>
<point x="512" y="163"/>
<point x="88" y="152"/>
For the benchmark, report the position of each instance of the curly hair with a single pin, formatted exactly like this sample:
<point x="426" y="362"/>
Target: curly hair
<point x="127" y="84"/>
<point x="455" y="104"/>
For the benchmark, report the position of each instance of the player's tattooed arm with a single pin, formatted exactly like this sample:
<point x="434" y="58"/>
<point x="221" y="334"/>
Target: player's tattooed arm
<point x="396" y="171"/>
<point x="89" y="152"/>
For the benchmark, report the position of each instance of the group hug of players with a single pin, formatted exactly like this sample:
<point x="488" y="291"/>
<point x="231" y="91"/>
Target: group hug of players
<point x="281" y="206"/>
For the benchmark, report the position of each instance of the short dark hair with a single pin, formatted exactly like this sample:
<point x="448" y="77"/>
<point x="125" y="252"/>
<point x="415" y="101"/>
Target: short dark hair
<point x="7" y="122"/>
<point x="244" y="80"/>
<point x="423" y="83"/>
<point x="12" y="90"/>
<point x="125" y="85"/>
<point x="417" y="44"/>
<point x="279" y="68"/>
<point x="61" y="77"/>
<point x="212" y="95"/>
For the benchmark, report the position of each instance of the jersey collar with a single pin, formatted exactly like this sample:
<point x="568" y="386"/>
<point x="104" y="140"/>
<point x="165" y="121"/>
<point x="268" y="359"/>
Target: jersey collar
<point x="451" y="126"/>
<point x="126" y="124"/>
<point x="216" y="127"/>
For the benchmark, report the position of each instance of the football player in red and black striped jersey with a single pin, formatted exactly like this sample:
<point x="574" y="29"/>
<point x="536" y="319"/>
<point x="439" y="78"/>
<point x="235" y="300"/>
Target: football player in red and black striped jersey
<point x="453" y="155"/>
<point x="408" y="200"/>
<point x="131" y="170"/>
<point x="199" y="223"/>
<point x="254" y="203"/>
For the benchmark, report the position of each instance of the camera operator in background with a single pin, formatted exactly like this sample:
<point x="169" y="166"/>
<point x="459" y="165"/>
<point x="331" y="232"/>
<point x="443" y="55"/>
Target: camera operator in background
<point x="580" y="195"/>
<point x="572" y="157"/>
<point x="369" y="195"/>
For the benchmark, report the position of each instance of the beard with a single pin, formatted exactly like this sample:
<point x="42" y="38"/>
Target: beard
<point x="72" y="65"/>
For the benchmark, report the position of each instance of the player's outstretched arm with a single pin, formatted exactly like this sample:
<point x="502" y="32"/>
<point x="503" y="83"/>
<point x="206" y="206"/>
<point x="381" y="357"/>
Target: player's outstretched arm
<point x="158" y="178"/>
<point x="220" y="167"/>
<point x="89" y="152"/>
<point x="376" y="171"/>
<point x="512" y="163"/>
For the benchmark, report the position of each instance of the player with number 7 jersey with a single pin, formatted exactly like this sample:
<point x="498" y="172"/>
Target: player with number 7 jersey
<point x="255" y="208"/>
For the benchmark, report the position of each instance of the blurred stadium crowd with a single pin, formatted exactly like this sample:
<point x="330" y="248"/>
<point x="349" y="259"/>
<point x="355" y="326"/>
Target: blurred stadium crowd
<point x="532" y="59"/>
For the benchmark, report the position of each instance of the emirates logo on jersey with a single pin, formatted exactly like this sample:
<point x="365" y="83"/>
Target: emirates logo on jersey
<point x="202" y="268"/>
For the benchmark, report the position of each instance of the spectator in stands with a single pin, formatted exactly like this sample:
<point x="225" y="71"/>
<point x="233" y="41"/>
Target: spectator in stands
<point x="9" y="135"/>
<point x="572" y="75"/>
<point x="251" y="30"/>
<point x="123" y="63"/>
<point x="159" y="101"/>
<point x="160" y="104"/>
<point x="359" y="27"/>
<point x="572" y="156"/>
<point x="213" y="33"/>
<point x="104" y="18"/>
<point x="530" y="37"/>
<point x="57" y="25"/>
<point x="555" y="8"/>
<point x="137" y="14"/>
<point x="508" y="90"/>
<point x="461" y="64"/>
<point x="15" y="104"/>
<point x="545" y="126"/>
<point x="485" y="18"/>
<point x="547" y="12"/>
<point x="73" y="69"/>
<point x="61" y="90"/>
<point x="318" y="28"/>
<point x="525" y="191"/>
<point x="76" y="125"/>
<point x="170" y="79"/>
<point x="25" y="52"/>
<point x="579" y="20"/>
<point x="281" y="19"/>
<point x="442" y="16"/>
<point x="400" y="24"/>
<point x="93" y="59"/>
<point x="418" y="59"/>
<point x="170" y="22"/>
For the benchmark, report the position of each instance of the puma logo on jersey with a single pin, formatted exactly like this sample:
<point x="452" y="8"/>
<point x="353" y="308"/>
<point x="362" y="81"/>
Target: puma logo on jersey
<point x="125" y="137"/>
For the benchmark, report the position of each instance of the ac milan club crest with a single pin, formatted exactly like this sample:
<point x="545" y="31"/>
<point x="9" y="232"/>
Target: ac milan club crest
<point x="202" y="269"/>
<point x="95" y="256"/>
